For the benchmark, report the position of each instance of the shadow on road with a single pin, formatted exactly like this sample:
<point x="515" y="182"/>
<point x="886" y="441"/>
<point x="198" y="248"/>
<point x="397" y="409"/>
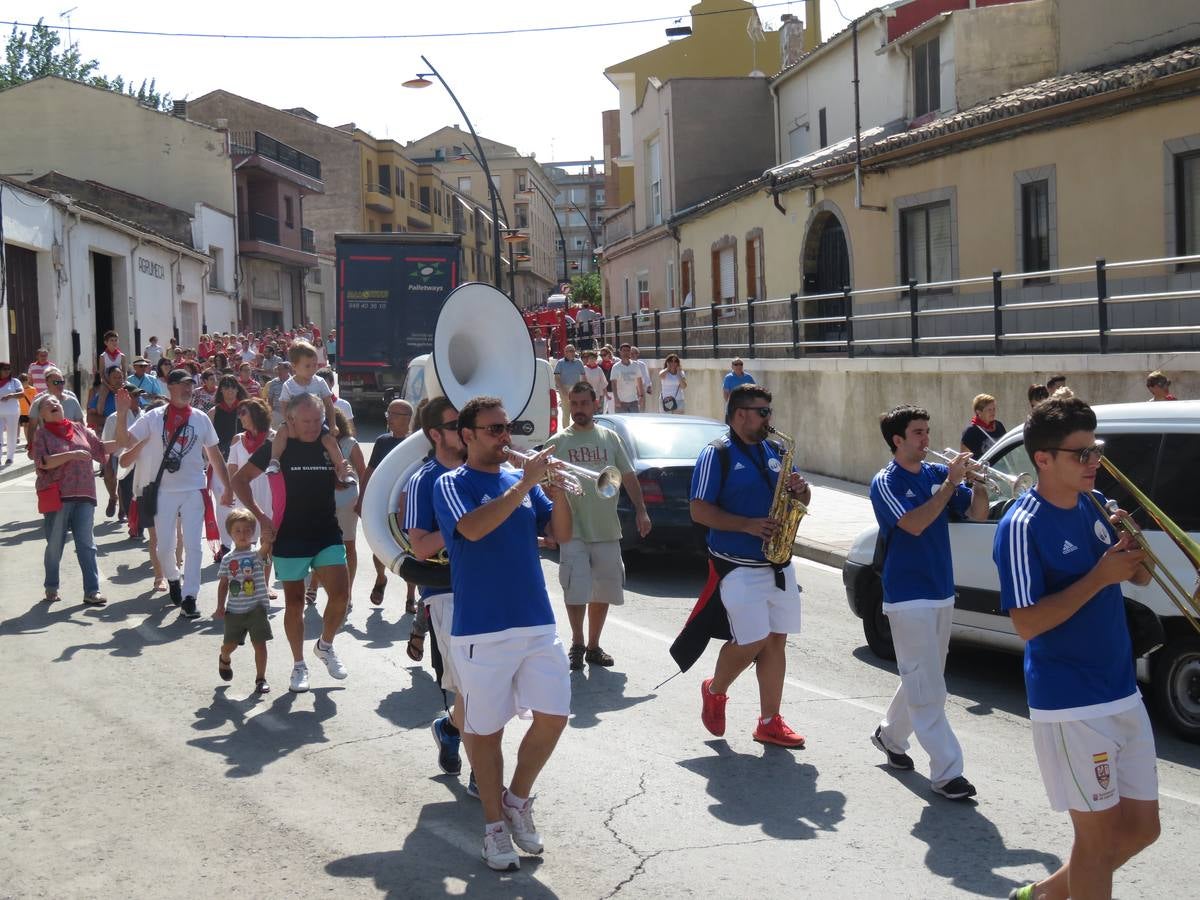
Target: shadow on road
<point x="19" y="533"/>
<point x="440" y="858"/>
<point x="42" y="616"/>
<point x="598" y="691"/>
<point x="161" y="626"/>
<point x="379" y="633"/>
<point x="415" y="706"/>
<point x="273" y="734"/>
<point x="775" y="791"/>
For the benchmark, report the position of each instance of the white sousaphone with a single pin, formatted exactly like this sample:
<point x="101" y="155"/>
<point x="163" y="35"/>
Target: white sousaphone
<point x="481" y="346"/>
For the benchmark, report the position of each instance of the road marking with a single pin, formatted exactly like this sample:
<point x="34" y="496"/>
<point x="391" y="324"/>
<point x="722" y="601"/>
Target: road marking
<point x="834" y="695"/>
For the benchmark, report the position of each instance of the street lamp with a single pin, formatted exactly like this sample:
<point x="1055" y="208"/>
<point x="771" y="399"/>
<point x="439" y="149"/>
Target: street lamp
<point x="421" y="80"/>
<point x="562" y="239"/>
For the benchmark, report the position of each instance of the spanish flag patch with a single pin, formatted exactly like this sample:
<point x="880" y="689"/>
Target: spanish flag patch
<point x="1098" y="758"/>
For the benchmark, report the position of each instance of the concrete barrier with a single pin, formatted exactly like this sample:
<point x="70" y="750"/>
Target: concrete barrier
<point x="832" y="406"/>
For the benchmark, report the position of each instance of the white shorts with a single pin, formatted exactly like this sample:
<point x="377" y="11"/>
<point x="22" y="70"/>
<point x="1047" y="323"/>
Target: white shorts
<point x="756" y="607"/>
<point x="591" y="572"/>
<point x="1090" y="764"/>
<point x="441" y="615"/>
<point x="503" y="678"/>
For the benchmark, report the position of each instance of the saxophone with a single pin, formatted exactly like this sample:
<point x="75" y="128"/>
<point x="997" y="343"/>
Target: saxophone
<point x="785" y="509"/>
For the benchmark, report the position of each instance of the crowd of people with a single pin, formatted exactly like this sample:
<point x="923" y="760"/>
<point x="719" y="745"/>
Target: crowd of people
<point x="621" y="383"/>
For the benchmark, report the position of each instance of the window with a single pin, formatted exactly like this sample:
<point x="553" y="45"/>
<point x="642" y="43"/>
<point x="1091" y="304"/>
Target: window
<point x="643" y="288"/>
<point x="1187" y="204"/>
<point x="925" y="243"/>
<point x="425" y="199"/>
<point x="288" y="212"/>
<point x="522" y="185"/>
<point x="598" y="197"/>
<point x="724" y="271"/>
<point x="654" y="185"/>
<point x="1035" y="226"/>
<point x="464" y="184"/>
<point x="385" y="179"/>
<point x="412" y="189"/>
<point x="1176" y="489"/>
<point x="521" y="214"/>
<point x="798" y="141"/>
<point x="386" y="227"/>
<point x="670" y="283"/>
<point x="399" y="182"/>
<point x="216" y="273"/>
<point x="558" y="246"/>
<point x="580" y="244"/>
<point x="927" y="78"/>
<point x="822" y="129"/>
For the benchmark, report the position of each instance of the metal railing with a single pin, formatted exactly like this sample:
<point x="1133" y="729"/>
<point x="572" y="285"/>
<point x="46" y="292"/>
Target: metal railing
<point x="245" y="143"/>
<point x="259" y="227"/>
<point x="1108" y="307"/>
<point x="308" y="241"/>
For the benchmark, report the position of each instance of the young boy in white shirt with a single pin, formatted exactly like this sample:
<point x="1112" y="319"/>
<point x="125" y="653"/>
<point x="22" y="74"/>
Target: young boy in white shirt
<point x="304" y="360"/>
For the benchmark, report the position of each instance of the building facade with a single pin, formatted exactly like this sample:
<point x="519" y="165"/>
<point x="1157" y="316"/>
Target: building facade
<point x="580" y="206"/>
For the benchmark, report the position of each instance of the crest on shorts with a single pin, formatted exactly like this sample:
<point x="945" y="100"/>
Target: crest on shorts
<point x="1100" y="761"/>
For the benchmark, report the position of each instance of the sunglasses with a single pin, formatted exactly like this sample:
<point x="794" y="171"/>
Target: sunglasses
<point x="452" y="425"/>
<point x="1085" y="455"/>
<point x="764" y="411"/>
<point x="495" y="430"/>
<point x="57" y="381"/>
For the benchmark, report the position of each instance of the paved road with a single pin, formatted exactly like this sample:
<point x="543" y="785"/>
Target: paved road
<point x="130" y="769"/>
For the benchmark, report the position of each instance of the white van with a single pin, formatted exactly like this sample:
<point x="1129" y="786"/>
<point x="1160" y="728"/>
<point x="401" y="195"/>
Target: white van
<point x="1157" y="446"/>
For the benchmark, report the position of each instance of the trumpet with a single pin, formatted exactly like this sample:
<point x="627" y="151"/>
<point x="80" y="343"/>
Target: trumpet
<point x="997" y="482"/>
<point x="570" y="477"/>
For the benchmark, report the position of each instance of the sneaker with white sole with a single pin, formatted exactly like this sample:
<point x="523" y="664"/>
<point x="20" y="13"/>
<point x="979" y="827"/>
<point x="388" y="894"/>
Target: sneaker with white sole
<point x="330" y="658"/>
<point x="956" y="789"/>
<point x="895" y="759"/>
<point x="498" y="851"/>
<point x="520" y="825"/>
<point x="299" y="682"/>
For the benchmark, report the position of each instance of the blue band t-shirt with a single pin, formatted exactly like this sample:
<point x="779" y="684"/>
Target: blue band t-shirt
<point x="1083" y="667"/>
<point x="499" y="590"/>
<point x="917" y="570"/>
<point x="746" y="490"/>
<point x="418" y="507"/>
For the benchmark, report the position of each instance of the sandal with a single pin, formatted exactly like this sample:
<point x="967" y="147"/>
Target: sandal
<point x="224" y="668"/>
<point x="51" y="597"/>
<point x="94" y="600"/>
<point x="261" y="686"/>
<point x="310" y="596"/>
<point x="160" y="584"/>
<point x="377" y="593"/>
<point x="416" y="647"/>
<point x="575" y="657"/>
<point x="597" y="657"/>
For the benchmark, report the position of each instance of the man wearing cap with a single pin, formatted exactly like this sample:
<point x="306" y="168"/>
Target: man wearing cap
<point x="148" y="386"/>
<point x="177" y="438"/>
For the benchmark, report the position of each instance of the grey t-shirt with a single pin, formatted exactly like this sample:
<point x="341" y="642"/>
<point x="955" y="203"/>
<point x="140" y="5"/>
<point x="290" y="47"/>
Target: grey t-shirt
<point x="571" y="372"/>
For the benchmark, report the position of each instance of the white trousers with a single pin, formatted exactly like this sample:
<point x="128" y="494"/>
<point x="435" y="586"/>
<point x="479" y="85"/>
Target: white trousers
<point x="10" y="417"/>
<point x="921" y="638"/>
<point x="189" y="507"/>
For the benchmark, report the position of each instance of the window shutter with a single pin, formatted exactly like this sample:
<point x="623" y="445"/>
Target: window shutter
<point x="1190" y="196"/>
<point x="728" y="279"/>
<point x="916" y="245"/>
<point x="939" y="243"/>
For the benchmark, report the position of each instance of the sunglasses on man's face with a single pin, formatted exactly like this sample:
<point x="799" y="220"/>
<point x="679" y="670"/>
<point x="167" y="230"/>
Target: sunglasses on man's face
<point x="56" y="381"/>
<point x="496" y="429"/>
<point x="452" y="425"/>
<point x="764" y="411"/>
<point x="1084" y="455"/>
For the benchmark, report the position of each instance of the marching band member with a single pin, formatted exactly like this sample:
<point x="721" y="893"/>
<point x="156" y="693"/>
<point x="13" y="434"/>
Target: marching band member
<point x="1061" y="567"/>
<point x="910" y="498"/>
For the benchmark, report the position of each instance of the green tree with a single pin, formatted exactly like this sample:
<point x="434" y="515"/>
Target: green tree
<point x="37" y="54"/>
<point x="585" y="288"/>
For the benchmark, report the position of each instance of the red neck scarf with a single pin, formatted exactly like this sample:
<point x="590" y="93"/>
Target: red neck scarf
<point x="113" y="356"/>
<point x="989" y="428"/>
<point x="174" y="417"/>
<point x="64" y="429"/>
<point x="252" y="440"/>
<point x="228" y="407"/>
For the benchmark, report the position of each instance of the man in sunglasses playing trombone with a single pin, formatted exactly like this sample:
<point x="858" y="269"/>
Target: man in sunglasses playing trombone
<point x="1061" y="567"/>
<point x="504" y="644"/>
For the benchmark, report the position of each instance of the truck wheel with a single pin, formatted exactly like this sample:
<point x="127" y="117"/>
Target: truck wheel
<point x="1175" y="685"/>
<point x="878" y="630"/>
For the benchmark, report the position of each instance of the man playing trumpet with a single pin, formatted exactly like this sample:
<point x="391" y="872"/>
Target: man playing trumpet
<point x="1061" y="567"/>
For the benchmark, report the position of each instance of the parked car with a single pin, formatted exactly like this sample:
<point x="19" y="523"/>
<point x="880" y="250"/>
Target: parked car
<point x="663" y="451"/>
<point x="1157" y="446"/>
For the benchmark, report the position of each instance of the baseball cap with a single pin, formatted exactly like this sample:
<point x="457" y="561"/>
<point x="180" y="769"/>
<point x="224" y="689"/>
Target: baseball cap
<point x="178" y="376"/>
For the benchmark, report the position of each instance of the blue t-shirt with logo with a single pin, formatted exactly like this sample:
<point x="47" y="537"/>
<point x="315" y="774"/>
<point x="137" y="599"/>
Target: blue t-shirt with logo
<point x="917" y="570"/>
<point x="418" y="507"/>
<point x="499" y="590"/>
<point x="1083" y="667"/>
<point x="747" y="489"/>
<point x="733" y="380"/>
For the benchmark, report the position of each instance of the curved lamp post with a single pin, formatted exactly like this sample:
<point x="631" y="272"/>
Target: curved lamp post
<point x="422" y="81"/>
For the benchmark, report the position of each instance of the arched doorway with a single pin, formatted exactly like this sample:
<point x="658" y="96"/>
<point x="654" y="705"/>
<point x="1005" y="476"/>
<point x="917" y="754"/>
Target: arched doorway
<point x="826" y="267"/>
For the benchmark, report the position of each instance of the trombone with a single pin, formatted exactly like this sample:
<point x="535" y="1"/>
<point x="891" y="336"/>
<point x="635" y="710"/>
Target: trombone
<point x="1187" y="602"/>
<point x="997" y="482"/>
<point x="570" y="477"/>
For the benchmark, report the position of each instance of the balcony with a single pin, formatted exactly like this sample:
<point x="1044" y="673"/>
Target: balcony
<point x="258" y="150"/>
<point x="378" y="197"/>
<point x="258" y="237"/>
<point x="619" y="225"/>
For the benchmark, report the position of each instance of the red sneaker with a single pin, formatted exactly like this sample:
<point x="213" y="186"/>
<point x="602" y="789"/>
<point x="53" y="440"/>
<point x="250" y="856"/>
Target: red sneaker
<point x="778" y="732"/>
<point x="712" y="712"/>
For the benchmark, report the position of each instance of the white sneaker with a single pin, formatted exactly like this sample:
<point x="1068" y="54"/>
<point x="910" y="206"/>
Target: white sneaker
<point x="520" y="824"/>
<point x="299" y="682"/>
<point x="330" y="658"/>
<point x="498" y="852"/>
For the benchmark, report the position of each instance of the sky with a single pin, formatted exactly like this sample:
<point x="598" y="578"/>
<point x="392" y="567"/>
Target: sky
<point x="542" y="92"/>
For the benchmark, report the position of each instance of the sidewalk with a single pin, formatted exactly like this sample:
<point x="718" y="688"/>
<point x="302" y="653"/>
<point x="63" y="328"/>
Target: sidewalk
<point x="22" y="465"/>
<point x="840" y="510"/>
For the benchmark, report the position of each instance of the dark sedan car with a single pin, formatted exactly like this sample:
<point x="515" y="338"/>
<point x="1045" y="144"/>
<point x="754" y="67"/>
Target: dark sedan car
<point x="663" y="450"/>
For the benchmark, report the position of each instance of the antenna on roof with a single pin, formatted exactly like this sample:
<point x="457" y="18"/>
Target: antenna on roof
<point x="67" y="15"/>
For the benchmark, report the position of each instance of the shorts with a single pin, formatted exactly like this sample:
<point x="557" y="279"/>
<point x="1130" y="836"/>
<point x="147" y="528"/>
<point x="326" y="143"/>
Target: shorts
<point x="591" y="572"/>
<point x="756" y="607"/>
<point x="254" y="623"/>
<point x="631" y="407"/>
<point x="294" y="568"/>
<point x="510" y="676"/>
<point x="1089" y="764"/>
<point x="441" y="615"/>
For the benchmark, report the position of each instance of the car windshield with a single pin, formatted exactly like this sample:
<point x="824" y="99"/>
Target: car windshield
<point x="670" y="440"/>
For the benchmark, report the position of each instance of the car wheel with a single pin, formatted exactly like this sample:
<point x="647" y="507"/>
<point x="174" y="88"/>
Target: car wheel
<point x="878" y="630"/>
<point x="1175" y="685"/>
